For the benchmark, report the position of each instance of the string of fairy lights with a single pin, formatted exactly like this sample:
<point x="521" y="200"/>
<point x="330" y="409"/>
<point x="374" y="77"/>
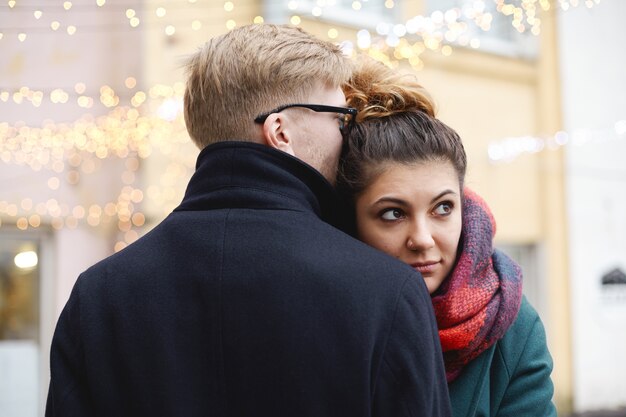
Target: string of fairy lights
<point x="69" y="152"/>
<point x="508" y="149"/>
<point x="141" y="123"/>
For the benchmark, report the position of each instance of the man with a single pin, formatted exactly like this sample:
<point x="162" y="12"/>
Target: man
<point x="245" y="301"/>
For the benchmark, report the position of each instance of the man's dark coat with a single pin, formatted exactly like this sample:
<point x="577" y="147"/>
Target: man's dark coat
<point x="245" y="302"/>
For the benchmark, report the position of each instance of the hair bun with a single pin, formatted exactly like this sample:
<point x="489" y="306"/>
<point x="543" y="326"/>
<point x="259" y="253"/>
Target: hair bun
<point x="376" y="90"/>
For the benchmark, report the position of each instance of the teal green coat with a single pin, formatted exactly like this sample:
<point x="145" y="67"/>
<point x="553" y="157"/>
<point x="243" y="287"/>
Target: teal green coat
<point x="512" y="378"/>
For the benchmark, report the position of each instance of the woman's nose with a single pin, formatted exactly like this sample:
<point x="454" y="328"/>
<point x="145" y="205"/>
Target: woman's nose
<point x="420" y="238"/>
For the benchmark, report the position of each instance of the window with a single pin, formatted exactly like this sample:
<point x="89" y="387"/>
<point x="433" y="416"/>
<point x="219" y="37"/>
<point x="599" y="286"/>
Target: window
<point x="20" y="354"/>
<point x="355" y="13"/>
<point x="534" y="286"/>
<point x="501" y="38"/>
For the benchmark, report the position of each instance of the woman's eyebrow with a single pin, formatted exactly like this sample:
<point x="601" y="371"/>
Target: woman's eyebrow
<point x="441" y="194"/>
<point x="394" y="200"/>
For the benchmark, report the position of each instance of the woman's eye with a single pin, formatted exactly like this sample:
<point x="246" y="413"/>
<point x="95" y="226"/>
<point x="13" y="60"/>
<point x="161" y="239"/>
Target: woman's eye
<point x="443" y="209"/>
<point x="391" y="214"/>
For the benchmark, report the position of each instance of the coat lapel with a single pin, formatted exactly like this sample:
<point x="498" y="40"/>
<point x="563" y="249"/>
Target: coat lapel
<point x="470" y="391"/>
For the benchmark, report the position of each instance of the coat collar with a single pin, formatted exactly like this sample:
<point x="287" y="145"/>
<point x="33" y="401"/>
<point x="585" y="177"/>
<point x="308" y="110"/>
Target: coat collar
<point x="249" y="175"/>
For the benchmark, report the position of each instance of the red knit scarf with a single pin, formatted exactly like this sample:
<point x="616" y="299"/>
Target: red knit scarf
<point x="478" y="302"/>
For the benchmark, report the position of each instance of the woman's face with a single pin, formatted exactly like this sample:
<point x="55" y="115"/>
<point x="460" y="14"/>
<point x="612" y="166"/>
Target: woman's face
<point x="413" y="212"/>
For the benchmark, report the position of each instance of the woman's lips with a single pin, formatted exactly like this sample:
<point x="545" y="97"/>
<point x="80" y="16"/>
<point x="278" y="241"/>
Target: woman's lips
<point x="425" y="267"/>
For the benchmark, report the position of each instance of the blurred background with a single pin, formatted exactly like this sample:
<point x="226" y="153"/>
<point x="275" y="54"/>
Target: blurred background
<point x="94" y="151"/>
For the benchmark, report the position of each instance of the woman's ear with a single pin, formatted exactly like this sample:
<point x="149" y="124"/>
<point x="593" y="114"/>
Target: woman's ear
<point x="276" y="135"/>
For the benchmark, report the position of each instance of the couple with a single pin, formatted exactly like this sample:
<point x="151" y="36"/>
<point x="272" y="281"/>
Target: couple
<point x="248" y="300"/>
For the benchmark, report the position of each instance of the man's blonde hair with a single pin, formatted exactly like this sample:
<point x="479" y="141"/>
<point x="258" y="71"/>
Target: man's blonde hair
<point x="251" y="70"/>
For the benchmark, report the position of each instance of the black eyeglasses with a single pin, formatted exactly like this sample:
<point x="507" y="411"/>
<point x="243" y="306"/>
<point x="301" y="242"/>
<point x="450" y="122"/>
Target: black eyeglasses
<point x="346" y="119"/>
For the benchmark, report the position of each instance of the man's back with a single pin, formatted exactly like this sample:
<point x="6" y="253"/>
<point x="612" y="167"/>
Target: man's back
<point x="244" y="302"/>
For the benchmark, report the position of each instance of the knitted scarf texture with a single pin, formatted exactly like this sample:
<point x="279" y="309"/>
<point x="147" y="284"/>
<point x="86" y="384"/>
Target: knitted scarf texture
<point x="480" y="299"/>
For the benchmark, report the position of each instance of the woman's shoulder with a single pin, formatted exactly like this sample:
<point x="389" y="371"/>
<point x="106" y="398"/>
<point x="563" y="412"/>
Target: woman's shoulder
<point x="512" y="377"/>
<point x="526" y="332"/>
<point x="527" y="319"/>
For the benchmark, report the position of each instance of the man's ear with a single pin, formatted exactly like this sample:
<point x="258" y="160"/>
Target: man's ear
<point x="275" y="134"/>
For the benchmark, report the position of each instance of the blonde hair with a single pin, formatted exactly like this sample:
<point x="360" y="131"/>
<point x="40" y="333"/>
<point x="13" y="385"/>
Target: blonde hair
<point x="376" y="90"/>
<point x="253" y="69"/>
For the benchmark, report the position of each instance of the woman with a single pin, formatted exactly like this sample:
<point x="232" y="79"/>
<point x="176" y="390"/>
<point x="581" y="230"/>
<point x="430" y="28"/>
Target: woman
<point x="404" y="171"/>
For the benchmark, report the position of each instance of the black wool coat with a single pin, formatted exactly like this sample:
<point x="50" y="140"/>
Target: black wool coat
<point x="245" y="302"/>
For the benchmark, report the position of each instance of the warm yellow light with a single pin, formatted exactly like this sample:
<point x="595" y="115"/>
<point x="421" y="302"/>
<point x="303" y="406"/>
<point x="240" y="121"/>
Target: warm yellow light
<point x="27" y="204"/>
<point x="130" y="13"/>
<point x="196" y="25"/>
<point x="11" y="3"/>
<point x="67" y="5"/>
<point x="78" y="212"/>
<point x="134" y="22"/>
<point x="124" y="225"/>
<point x="100" y="3"/>
<point x="38" y="14"/>
<point x="295" y="20"/>
<point x="95" y="210"/>
<point x="229" y="6"/>
<point x="101" y="153"/>
<point x="121" y="245"/>
<point x="258" y="20"/>
<point x="22" y="223"/>
<point x="11" y="210"/>
<point x="55" y="25"/>
<point x="58" y="166"/>
<point x="85" y="102"/>
<point x="389" y="4"/>
<point x="26" y="259"/>
<point x="71" y="30"/>
<point x="356" y="5"/>
<point x="131" y="236"/>
<point x="160" y="12"/>
<point x="431" y="43"/>
<point x="230" y="24"/>
<point x="170" y="30"/>
<point x="333" y="33"/>
<point x="80" y="88"/>
<point x="93" y="221"/>
<point x="130" y="82"/>
<point x="136" y="196"/>
<point x="54" y="183"/>
<point x="21" y="37"/>
<point x="57" y="223"/>
<point x="34" y="220"/>
<point x="73" y="177"/>
<point x="138" y="219"/>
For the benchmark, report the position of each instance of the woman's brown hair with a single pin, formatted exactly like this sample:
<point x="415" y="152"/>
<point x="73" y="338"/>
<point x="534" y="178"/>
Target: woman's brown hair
<point x="396" y="124"/>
